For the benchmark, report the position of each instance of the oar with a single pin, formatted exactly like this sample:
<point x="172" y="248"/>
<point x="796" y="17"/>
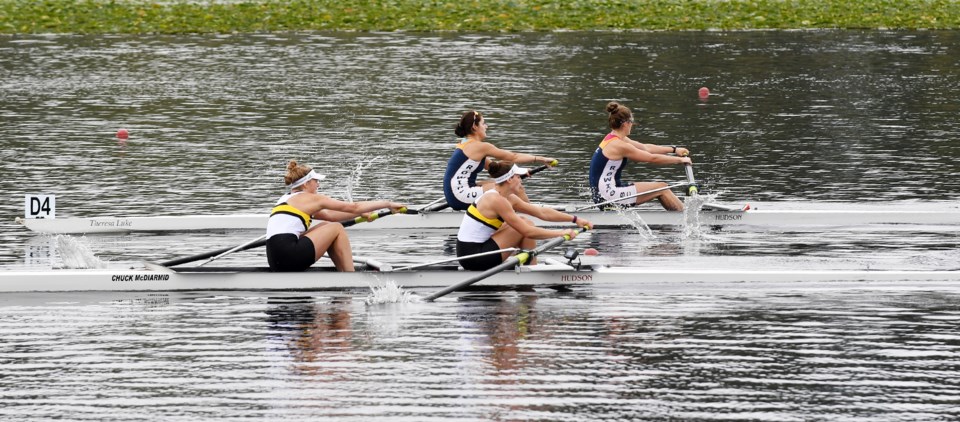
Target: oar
<point x="427" y="207"/>
<point x="457" y="258"/>
<point x="233" y="250"/>
<point x="441" y="203"/>
<point x="675" y="185"/>
<point x="520" y="258"/>
<point x="260" y="241"/>
<point x="694" y="190"/>
<point x="553" y="163"/>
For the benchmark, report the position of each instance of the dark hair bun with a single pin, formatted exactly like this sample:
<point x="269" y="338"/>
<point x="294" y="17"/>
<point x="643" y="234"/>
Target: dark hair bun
<point x="460" y="131"/>
<point x="612" y="107"/>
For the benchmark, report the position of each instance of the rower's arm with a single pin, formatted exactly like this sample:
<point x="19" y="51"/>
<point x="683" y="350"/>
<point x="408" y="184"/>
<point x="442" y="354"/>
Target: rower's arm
<point x="339" y="210"/>
<point x="491" y="150"/>
<point x="659" y="149"/>
<point x="545" y="213"/>
<point x="504" y="208"/>
<point x="667" y="149"/>
<point x="637" y="154"/>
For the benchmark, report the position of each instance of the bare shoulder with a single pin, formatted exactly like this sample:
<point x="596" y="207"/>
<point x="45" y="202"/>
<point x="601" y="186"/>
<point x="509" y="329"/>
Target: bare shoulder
<point x="479" y="150"/>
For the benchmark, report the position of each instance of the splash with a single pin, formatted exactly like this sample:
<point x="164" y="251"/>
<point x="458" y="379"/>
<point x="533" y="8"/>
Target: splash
<point x="74" y="253"/>
<point x="389" y="292"/>
<point x="692" y="207"/>
<point x="353" y="180"/>
<point x="691" y="216"/>
<point x="635" y="220"/>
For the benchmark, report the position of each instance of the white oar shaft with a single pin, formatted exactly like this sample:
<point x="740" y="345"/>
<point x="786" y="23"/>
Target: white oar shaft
<point x="457" y="258"/>
<point x="233" y="250"/>
<point x="441" y="199"/>
<point x="675" y="185"/>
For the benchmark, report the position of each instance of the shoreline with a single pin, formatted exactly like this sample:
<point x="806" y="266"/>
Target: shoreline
<point x="251" y="16"/>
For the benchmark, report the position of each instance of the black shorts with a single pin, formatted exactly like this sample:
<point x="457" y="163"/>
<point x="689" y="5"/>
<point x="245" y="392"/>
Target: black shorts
<point x="290" y="253"/>
<point x="479" y="263"/>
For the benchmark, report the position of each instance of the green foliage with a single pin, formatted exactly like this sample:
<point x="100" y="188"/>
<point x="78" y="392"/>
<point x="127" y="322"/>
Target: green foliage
<point x="200" y="16"/>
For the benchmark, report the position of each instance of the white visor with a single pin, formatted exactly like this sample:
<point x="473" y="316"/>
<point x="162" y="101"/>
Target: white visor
<point x="307" y="178"/>
<point x="516" y="170"/>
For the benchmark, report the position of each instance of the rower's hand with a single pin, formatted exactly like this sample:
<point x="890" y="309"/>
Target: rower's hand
<point x="397" y="208"/>
<point x="686" y="161"/>
<point x="583" y="223"/>
<point x="569" y="234"/>
<point x="683" y="152"/>
<point x="550" y="161"/>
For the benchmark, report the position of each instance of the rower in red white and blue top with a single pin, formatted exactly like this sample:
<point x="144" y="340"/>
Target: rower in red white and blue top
<point x="492" y="223"/>
<point x="460" y="187"/>
<point x="292" y="245"/>
<point x="611" y="157"/>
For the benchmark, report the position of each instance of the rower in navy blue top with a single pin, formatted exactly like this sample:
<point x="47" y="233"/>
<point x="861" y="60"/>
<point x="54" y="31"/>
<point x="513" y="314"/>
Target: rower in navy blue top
<point x="460" y="186"/>
<point x="612" y="156"/>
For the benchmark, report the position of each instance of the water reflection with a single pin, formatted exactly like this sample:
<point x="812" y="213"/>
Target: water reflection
<point x="504" y="324"/>
<point x="314" y="333"/>
<point x="778" y="352"/>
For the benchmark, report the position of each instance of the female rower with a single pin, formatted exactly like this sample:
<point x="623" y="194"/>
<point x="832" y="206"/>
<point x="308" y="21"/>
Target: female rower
<point x="292" y="245"/>
<point x="611" y="157"/>
<point x="491" y="222"/>
<point x="470" y="157"/>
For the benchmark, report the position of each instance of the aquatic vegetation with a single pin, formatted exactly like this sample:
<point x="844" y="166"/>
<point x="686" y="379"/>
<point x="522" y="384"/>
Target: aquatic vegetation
<point x="218" y="16"/>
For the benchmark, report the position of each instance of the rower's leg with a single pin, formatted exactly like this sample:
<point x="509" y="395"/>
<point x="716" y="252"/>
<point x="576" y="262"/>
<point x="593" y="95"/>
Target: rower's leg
<point x="508" y="237"/>
<point x="331" y="238"/>
<point x="667" y="199"/>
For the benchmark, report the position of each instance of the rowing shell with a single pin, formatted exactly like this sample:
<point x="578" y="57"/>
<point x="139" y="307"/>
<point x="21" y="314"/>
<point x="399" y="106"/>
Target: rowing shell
<point x="452" y="219"/>
<point x="324" y="278"/>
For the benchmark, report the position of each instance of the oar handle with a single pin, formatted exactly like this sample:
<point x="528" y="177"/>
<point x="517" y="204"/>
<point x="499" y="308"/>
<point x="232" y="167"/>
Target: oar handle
<point x="567" y="237"/>
<point x="553" y="163"/>
<point x="361" y="219"/>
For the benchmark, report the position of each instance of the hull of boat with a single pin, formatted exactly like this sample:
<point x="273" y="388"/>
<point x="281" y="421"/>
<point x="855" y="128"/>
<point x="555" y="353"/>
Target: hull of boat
<point x="543" y="275"/>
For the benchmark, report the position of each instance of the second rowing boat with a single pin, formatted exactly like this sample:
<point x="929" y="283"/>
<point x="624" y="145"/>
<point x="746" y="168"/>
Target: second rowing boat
<point x="830" y="216"/>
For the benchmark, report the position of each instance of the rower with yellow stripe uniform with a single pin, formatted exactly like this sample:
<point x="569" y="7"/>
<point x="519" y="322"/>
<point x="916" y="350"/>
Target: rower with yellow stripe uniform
<point x="292" y="245"/>
<point x="491" y="223"/>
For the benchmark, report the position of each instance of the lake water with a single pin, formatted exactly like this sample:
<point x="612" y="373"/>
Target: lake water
<point x="795" y="119"/>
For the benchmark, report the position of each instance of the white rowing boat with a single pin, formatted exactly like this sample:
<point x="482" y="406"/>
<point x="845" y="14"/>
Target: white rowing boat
<point x="549" y="274"/>
<point x="451" y="220"/>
